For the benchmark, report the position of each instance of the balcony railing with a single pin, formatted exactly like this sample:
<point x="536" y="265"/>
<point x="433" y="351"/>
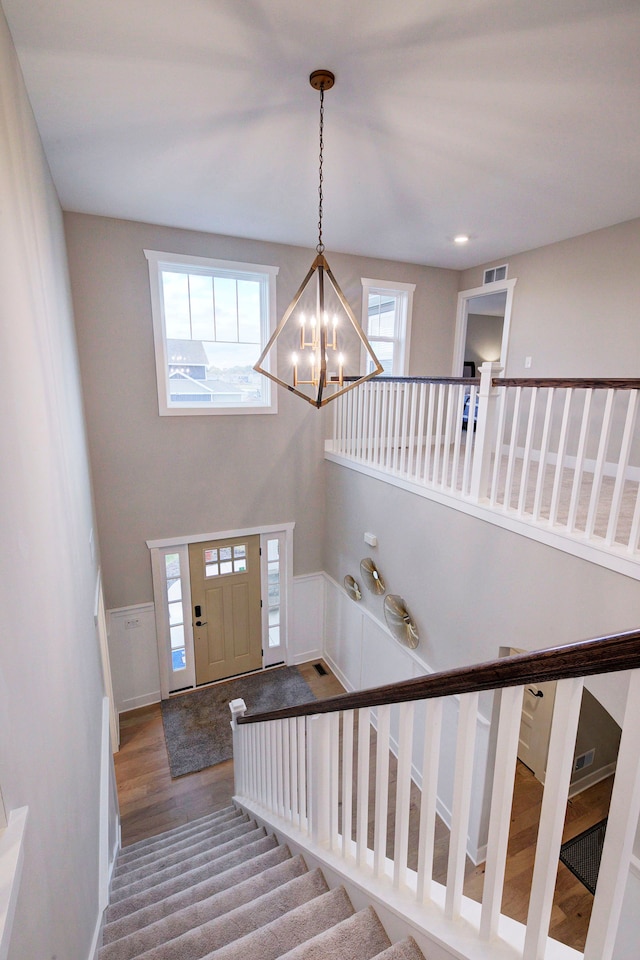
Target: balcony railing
<point x="561" y="456"/>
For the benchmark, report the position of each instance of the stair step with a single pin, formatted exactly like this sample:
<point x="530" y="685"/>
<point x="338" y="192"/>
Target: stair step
<point x="179" y="849"/>
<point x="359" y="937"/>
<point x="206" y="853"/>
<point x="141" y="935"/>
<point x="290" y="930"/>
<point x="404" y="950"/>
<point x="232" y="854"/>
<point x="267" y="909"/>
<point x="161" y="840"/>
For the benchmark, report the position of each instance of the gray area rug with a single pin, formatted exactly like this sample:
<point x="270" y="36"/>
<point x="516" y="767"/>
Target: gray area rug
<point x="197" y="725"/>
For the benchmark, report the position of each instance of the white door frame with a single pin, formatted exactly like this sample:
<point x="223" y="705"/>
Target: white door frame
<point x="488" y="289"/>
<point x="180" y="545"/>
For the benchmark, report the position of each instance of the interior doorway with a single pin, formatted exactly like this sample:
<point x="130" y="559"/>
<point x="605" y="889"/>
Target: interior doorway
<point x="482" y="326"/>
<point x="227" y="607"/>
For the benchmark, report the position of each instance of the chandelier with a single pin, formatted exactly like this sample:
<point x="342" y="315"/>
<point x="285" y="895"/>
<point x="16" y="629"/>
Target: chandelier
<point x="325" y="344"/>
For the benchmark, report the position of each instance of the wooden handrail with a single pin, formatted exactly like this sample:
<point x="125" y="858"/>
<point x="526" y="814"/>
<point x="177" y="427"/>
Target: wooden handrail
<point x="586" y="658"/>
<point x="564" y="382"/>
<point x="472" y="381"/>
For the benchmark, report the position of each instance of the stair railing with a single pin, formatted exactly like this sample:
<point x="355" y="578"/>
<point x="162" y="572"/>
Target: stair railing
<point x="297" y="767"/>
<point x="558" y="454"/>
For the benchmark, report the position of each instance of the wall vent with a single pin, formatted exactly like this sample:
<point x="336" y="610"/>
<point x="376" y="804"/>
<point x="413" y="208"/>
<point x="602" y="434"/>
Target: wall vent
<point x="496" y="273"/>
<point x="584" y="760"/>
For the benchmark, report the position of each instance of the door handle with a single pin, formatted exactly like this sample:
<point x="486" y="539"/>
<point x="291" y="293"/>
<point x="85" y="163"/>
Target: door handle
<point x="201" y="623"/>
<point x="535" y="693"/>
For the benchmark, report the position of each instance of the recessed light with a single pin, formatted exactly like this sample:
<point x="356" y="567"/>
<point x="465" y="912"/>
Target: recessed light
<point x="461" y="238"/>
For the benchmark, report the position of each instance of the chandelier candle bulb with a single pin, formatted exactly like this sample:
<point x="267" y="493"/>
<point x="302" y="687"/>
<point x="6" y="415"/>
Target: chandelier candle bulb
<point x="294" y="361"/>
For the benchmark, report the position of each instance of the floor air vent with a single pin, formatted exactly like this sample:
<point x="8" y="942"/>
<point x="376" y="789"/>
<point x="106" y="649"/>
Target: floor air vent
<point x="320" y="669"/>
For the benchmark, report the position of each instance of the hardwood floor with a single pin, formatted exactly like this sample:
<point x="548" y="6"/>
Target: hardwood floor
<point x="150" y="802"/>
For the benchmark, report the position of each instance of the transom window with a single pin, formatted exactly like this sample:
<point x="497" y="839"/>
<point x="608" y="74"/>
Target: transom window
<point x="211" y="321"/>
<point x="225" y="560"/>
<point x="386" y="319"/>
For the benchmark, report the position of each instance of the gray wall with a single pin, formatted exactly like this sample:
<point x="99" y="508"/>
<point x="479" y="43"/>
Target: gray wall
<point x="155" y="477"/>
<point x="471" y="586"/>
<point x="50" y="675"/>
<point x="575" y="305"/>
<point x="484" y="338"/>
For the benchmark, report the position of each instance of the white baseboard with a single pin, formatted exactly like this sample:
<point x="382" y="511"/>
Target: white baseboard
<point x="142" y="701"/>
<point x="591" y="778"/>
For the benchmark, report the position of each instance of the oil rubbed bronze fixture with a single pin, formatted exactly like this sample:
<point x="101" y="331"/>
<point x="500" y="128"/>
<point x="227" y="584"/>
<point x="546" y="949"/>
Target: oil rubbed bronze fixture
<point x="319" y="331"/>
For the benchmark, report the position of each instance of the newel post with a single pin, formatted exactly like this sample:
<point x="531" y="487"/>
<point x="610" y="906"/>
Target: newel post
<point x="238" y="709"/>
<point x="485" y="430"/>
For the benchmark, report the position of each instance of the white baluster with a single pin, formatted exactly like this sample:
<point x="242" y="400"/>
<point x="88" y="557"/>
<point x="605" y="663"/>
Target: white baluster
<point x="382" y="790"/>
<point x="362" y="810"/>
<point x="554" y="804"/>
<point x="412" y="439"/>
<point x="397" y="439"/>
<point x="393" y="400"/>
<point x="301" y="737"/>
<point x="334" y="756"/>
<point x="562" y="450"/>
<point x="429" y="797"/>
<point x="528" y="447"/>
<point x="403" y="793"/>
<point x="544" y="453"/>
<point x="601" y="458"/>
<point x="500" y="435"/>
<point x="375" y="453"/>
<point x="437" y="435"/>
<point x="468" y="444"/>
<point x="458" y="409"/>
<point x="513" y="449"/>
<point x="347" y="780"/>
<point x="295" y="770"/>
<point x="319" y="777"/>
<point x="465" y="745"/>
<point x="578" y="470"/>
<point x="501" y="801"/>
<point x="286" y="770"/>
<point x="624" y="812"/>
<point x="422" y="399"/>
<point x="429" y="435"/>
<point x="623" y="466"/>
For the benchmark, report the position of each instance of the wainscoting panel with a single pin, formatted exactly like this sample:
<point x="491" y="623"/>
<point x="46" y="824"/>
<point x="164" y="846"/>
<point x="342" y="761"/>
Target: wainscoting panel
<point x="133" y="654"/>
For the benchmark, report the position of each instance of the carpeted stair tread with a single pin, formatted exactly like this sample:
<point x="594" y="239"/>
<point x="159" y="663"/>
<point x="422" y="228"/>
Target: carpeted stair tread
<point x="282" y="935"/>
<point x="232" y="853"/>
<point x="268" y="855"/>
<point x="359" y="937"/>
<point x="235" y="925"/>
<point x="179" y="849"/>
<point x="158" y="841"/>
<point x="143" y="937"/>
<point x="404" y="950"/>
<point x="204" y="853"/>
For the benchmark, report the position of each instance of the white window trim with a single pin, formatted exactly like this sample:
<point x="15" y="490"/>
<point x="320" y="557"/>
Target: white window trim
<point x="180" y="545"/>
<point x="403" y="330"/>
<point x="157" y="259"/>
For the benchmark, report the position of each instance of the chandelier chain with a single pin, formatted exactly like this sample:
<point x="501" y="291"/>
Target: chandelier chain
<point x="320" y="245"/>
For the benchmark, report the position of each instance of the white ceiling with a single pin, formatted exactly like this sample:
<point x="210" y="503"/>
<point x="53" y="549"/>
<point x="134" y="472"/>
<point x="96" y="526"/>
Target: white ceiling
<point x="515" y="121"/>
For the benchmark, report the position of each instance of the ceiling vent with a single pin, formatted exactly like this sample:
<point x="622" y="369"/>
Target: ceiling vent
<point x="495" y="273"/>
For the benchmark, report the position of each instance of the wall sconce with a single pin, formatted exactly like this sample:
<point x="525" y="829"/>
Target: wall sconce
<point x="400" y="622"/>
<point x="371" y="577"/>
<point x="352" y="587"/>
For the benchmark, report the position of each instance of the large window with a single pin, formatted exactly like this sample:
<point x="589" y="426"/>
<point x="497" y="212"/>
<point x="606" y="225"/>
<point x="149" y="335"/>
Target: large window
<point x="386" y="319"/>
<point x="211" y="321"/>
